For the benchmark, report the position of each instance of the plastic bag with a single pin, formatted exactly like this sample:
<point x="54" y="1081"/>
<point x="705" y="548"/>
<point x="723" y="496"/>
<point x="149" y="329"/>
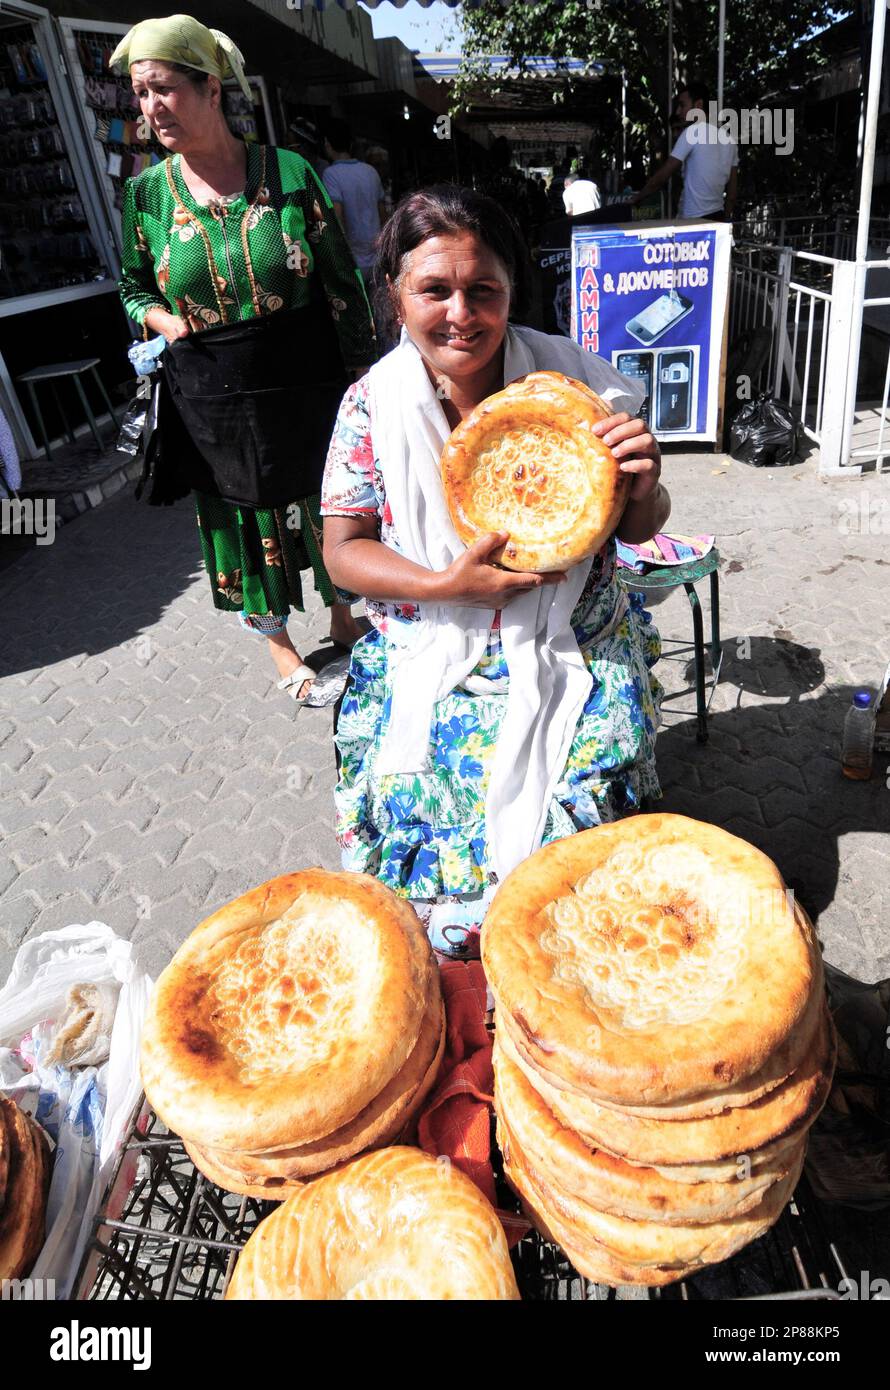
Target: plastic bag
<point x="764" y="432"/>
<point x="85" y="1110"/>
<point x="130" y="437"/>
<point x="848" y="1157"/>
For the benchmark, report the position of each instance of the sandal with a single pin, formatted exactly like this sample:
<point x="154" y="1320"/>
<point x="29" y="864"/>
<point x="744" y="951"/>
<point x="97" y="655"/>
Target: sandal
<point x="295" y="682"/>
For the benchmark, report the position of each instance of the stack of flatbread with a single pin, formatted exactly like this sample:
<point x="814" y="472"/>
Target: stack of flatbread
<point x="526" y="461"/>
<point x="297" y="1027"/>
<point x="662" y="1044"/>
<point x="25" y="1170"/>
<point x="391" y="1225"/>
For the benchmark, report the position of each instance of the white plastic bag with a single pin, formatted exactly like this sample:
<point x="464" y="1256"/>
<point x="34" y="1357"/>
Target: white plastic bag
<point x="84" y="1109"/>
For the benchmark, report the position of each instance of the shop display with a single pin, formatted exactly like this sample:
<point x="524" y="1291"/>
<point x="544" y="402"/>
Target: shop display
<point x="25" y="1169"/>
<point x="395" y="1224"/>
<point x="44" y="232"/>
<point x="526" y="461"/>
<point x="662" y="1044"/>
<point x="296" y="1027"/>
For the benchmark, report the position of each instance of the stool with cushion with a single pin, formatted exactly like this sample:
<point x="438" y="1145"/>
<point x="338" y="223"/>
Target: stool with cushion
<point x="660" y="578"/>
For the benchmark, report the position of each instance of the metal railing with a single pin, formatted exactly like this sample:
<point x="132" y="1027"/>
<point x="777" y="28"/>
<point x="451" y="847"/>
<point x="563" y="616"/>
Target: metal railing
<point x="829" y="234"/>
<point x="806" y="302"/>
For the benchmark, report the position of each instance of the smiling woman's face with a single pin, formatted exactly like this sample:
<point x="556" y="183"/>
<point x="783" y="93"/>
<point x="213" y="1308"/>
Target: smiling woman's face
<point x="177" y="108"/>
<point x="454" y="300"/>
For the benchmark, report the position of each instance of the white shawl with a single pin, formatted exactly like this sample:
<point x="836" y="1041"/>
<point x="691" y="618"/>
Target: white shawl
<point x="549" y="682"/>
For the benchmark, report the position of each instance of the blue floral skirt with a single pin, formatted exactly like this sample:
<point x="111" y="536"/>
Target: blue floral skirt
<point x="424" y="834"/>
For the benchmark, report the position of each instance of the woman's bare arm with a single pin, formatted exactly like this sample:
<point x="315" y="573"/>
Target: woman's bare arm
<point x="357" y="561"/>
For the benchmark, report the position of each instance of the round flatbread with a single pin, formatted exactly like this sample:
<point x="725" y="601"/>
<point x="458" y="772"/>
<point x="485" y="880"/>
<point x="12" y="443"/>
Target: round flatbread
<point x="526" y="461"/>
<point x="782" y="1117"/>
<point x="392" y="1225"/>
<point x="640" y="1194"/>
<point x="650" y="961"/>
<point x="273" y="1175"/>
<point x="22" y="1220"/>
<point x="648" y="1243"/>
<point x="287" y="1012"/>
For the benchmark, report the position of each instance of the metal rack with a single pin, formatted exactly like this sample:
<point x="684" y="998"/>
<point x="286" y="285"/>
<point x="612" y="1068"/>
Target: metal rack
<point x="175" y="1236"/>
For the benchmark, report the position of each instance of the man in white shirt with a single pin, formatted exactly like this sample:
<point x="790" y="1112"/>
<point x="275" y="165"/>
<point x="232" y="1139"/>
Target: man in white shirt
<point x="580" y="195"/>
<point x="356" y="192"/>
<point x="709" y="161"/>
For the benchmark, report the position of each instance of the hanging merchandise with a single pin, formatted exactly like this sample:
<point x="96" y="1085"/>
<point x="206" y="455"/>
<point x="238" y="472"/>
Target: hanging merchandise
<point x="43" y="225"/>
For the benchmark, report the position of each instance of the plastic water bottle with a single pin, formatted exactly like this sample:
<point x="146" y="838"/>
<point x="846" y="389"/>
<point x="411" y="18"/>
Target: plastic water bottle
<point x="859" y="735"/>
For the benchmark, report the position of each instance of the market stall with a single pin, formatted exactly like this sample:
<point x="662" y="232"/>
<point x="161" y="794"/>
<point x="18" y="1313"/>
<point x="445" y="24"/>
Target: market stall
<point x="58" y="263"/>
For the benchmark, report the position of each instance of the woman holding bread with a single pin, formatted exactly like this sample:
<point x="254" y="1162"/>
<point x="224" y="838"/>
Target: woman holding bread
<point x="488" y="711"/>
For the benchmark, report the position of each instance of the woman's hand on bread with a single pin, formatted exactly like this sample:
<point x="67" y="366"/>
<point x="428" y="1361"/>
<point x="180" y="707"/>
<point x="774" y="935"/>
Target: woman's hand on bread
<point x="635" y="449"/>
<point x="475" y="581"/>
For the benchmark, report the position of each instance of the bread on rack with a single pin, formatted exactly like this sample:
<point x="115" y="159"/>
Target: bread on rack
<point x="28" y="1171"/>
<point x="663" y="1044"/>
<point x="392" y="1225"/>
<point x="527" y="461"/>
<point x="602" y="945"/>
<point x="296" y="1027"/>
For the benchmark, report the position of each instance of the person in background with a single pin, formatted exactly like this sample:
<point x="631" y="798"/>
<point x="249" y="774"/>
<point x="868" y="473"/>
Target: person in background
<point x="230" y="237"/>
<point x="356" y="192"/>
<point x="580" y="195"/>
<point x="709" y="161"/>
<point x="306" y="142"/>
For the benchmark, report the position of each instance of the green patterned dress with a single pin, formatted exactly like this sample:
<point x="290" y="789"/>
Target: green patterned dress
<point x="234" y="260"/>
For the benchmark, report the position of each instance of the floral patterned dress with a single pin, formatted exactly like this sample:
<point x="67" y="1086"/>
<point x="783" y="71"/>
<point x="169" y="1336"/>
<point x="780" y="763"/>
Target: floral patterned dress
<point x="235" y="259"/>
<point x="423" y="834"/>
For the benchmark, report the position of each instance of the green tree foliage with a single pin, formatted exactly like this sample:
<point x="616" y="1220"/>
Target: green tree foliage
<point x="772" y="47"/>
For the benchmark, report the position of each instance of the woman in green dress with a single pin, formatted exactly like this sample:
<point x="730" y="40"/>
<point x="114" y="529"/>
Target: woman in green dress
<point x="221" y="232"/>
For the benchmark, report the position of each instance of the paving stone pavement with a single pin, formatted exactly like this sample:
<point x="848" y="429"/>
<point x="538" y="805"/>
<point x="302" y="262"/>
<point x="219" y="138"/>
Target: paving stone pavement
<point x="150" y="771"/>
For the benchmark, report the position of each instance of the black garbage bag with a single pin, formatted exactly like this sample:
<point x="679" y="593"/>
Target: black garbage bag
<point x="848" y="1159"/>
<point x="764" y="432"/>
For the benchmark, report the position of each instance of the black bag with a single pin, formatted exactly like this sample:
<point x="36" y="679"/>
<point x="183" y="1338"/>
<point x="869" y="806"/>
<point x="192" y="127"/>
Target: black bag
<point x="164" y="445"/>
<point x="764" y="432"/>
<point x="257" y="402"/>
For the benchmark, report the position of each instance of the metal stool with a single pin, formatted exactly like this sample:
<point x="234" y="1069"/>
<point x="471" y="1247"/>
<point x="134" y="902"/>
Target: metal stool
<point x="52" y="374"/>
<point x="662" y="577"/>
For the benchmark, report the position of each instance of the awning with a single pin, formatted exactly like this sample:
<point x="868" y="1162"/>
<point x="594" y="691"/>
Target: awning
<point x="372" y="4"/>
<point x="443" y="67"/>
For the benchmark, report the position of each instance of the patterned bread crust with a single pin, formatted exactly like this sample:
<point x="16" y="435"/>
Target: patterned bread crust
<point x="394" y="1224"/>
<point x="612" y="1185"/>
<point x="384" y="1122"/>
<point x="783" y="1116"/>
<point x="526" y="461"/>
<point x="649" y="1243"/>
<point x="285" y="1013"/>
<point x="650" y="961"/>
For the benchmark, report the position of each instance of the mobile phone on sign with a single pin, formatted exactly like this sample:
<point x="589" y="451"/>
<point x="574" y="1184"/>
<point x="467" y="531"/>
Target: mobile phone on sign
<point x="659" y="316"/>
<point x="673" y="401"/>
<point x="638" y="366"/>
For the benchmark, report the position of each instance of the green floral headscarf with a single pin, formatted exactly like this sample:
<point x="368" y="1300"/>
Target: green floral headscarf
<point x="182" y="39"/>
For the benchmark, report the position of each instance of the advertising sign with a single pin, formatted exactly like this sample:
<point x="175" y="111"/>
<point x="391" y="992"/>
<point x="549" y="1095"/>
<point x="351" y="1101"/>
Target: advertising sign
<point x="652" y="301"/>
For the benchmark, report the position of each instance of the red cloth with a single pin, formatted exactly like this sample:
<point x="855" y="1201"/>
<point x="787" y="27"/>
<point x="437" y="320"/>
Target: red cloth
<point x="455" y="1122"/>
